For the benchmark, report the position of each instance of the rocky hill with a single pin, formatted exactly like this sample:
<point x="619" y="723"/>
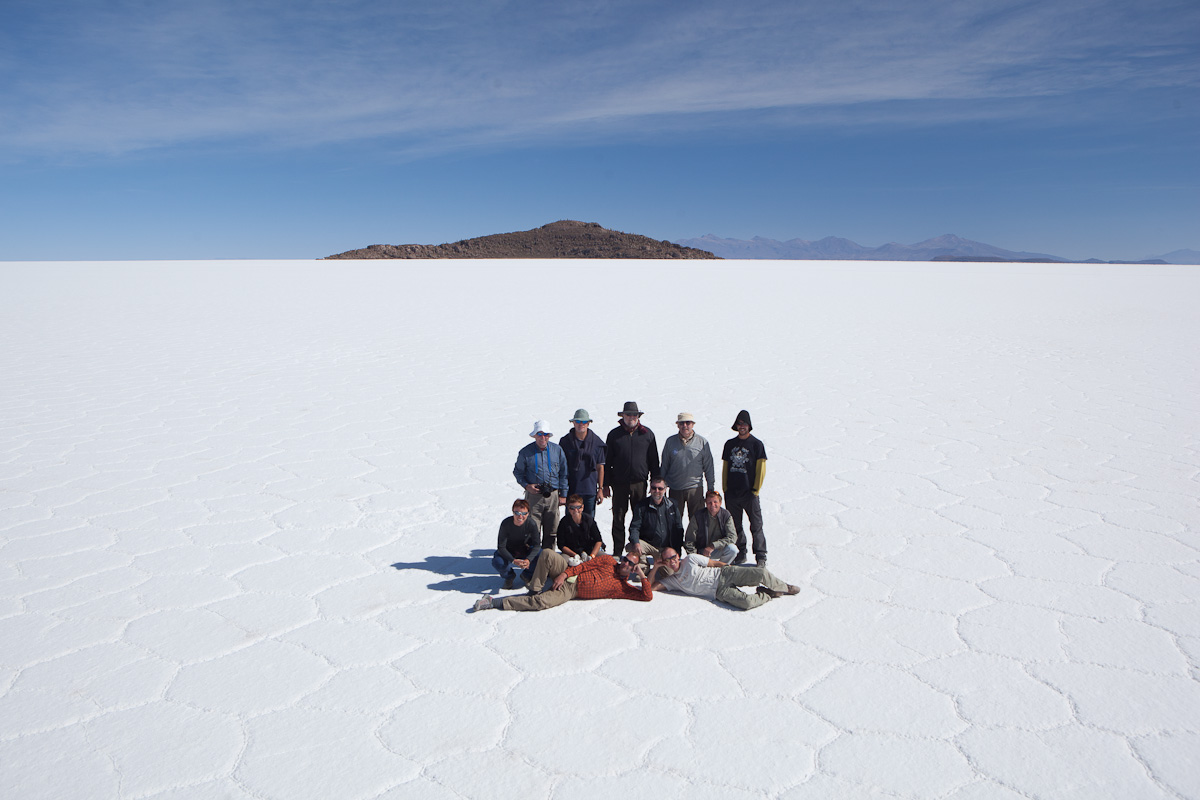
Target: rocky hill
<point x="563" y="239"/>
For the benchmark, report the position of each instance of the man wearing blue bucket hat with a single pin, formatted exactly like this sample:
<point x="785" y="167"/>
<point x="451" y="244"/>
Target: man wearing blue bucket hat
<point x="585" y="452"/>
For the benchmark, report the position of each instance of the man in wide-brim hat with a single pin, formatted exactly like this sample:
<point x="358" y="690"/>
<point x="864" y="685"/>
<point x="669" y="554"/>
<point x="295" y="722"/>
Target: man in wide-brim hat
<point x="632" y="459"/>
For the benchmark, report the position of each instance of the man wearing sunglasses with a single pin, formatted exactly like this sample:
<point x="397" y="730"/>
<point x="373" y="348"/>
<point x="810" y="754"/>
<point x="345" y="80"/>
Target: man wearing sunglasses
<point x="578" y="537"/>
<point x="603" y="577"/>
<point x="700" y="576"/>
<point x="585" y="453"/>
<point x="687" y="466"/>
<point x="541" y="470"/>
<point x="517" y="546"/>
<point x="657" y="522"/>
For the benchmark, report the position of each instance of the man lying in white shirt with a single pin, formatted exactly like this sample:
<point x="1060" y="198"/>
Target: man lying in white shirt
<point x="700" y="576"/>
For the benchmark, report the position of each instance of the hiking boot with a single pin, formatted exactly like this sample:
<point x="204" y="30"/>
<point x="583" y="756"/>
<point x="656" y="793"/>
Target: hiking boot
<point x="771" y="593"/>
<point x="761" y="561"/>
<point x="740" y="558"/>
<point x="793" y="589"/>
<point x="484" y="603"/>
<point x="508" y="583"/>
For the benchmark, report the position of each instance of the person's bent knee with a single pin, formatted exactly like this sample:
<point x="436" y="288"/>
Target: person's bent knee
<point x="727" y="554"/>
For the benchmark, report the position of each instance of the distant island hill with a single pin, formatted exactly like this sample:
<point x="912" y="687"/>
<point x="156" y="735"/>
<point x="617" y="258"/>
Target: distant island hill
<point x="574" y="239"/>
<point x="566" y="238"/>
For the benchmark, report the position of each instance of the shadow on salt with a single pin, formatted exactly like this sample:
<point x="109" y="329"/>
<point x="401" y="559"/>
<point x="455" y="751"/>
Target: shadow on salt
<point x="473" y="573"/>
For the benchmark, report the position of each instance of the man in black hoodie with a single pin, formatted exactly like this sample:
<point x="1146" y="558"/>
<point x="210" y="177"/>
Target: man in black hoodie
<point x="632" y="457"/>
<point x="745" y="465"/>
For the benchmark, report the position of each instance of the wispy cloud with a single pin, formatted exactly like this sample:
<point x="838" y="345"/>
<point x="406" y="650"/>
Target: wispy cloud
<point x="128" y="75"/>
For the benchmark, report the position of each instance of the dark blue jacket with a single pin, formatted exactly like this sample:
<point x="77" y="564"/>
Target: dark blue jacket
<point x="582" y="460"/>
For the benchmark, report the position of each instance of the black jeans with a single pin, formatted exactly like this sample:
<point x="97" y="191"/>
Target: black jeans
<point x="748" y="502"/>
<point x="623" y="496"/>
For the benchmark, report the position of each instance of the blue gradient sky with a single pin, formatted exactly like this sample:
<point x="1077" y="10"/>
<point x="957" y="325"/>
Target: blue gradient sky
<point x="205" y="129"/>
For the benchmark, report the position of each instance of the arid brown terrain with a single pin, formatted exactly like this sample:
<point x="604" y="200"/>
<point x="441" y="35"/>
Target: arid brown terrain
<point x="563" y="239"/>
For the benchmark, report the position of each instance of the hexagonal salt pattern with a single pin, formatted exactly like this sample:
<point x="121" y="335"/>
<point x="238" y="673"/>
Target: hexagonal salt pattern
<point x="246" y="506"/>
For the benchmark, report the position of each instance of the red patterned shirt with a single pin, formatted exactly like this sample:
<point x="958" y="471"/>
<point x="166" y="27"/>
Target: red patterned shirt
<point x="598" y="579"/>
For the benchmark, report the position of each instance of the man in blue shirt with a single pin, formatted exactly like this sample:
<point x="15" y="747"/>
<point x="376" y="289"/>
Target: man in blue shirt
<point x="541" y="470"/>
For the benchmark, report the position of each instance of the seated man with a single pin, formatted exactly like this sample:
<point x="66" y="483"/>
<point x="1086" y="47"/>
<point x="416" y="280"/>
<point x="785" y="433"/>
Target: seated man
<point x="712" y="534"/>
<point x="578" y="536"/>
<point x="601" y="577"/>
<point x="700" y="576"/>
<point x="518" y="545"/>
<point x="657" y="522"/>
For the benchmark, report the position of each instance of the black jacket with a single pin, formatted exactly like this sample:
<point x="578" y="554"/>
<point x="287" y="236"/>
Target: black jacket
<point x="631" y="455"/>
<point x="657" y="525"/>
<point x="517" y="542"/>
<point x="580" y="538"/>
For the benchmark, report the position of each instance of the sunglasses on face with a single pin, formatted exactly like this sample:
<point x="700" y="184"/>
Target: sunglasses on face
<point x="575" y="508"/>
<point x="520" y="513"/>
<point x="658" y="488"/>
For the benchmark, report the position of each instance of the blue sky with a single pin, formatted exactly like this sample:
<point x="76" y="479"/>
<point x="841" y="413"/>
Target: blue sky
<point x="243" y="129"/>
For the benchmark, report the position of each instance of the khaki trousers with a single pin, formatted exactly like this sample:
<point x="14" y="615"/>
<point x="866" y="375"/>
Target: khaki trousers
<point x="733" y="577"/>
<point x="550" y="565"/>
<point x="544" y="512"/>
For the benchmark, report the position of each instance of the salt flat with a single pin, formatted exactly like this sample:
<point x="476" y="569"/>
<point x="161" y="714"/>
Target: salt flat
<point x="246" y="506"/>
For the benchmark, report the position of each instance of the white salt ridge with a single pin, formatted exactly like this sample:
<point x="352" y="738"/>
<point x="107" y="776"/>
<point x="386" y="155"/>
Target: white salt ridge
<point x="247" y="505"/>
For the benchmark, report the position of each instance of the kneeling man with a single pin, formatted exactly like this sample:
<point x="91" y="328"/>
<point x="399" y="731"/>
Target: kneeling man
<point x="700" y="576"/>
<point x="657" y="522"/>
<point x="578" y="536"/>
<point x="599" y="578"/>
<point x="712" y="533"/>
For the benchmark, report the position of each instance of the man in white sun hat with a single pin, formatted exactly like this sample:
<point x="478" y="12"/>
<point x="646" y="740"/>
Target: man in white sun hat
<point x="688" y="467"/>
<point x="541" y="470"/>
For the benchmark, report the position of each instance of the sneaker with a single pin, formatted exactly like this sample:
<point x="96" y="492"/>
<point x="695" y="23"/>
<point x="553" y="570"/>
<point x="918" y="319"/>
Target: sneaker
<point x="761" y="561"/>
<point x="793" y="589"/>
<point x="508" y="583"/>
<point x="740" y="558"/>
<point x="484" y="603"/>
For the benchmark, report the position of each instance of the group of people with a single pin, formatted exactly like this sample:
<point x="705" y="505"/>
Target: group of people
<point x="581" y="472"/>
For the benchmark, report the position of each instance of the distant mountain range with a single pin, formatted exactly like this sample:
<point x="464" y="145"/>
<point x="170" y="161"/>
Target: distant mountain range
<point x="941" y="248"/>
<point x="574" y="239"/>
<point x="1186" y="256"/>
